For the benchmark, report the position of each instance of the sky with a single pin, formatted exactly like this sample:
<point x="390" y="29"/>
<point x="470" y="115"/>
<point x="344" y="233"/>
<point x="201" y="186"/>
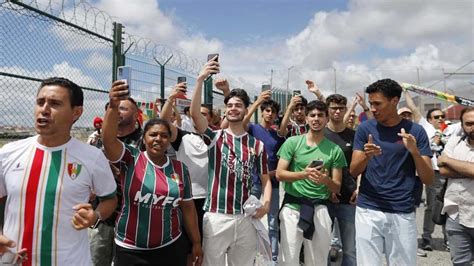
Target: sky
<point x="342" y="45"/>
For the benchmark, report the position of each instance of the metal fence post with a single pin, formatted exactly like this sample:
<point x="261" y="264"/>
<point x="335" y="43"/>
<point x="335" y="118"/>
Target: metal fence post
<point x="208" y="92"/>
<point x="118" y="59"/>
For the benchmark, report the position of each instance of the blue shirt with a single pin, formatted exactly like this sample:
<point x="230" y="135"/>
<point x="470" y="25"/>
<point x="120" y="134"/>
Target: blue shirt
<point x="272" y="142"/>
<point x="389" y="181"/>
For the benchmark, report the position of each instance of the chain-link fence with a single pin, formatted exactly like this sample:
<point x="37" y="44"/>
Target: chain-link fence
<point x="77" y="42"/>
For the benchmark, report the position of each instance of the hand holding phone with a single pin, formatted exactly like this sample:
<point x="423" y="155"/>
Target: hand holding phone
<point x="181" y="79"/>
<point x="125" y="73"/>
<point x="316" y="163"/>
<point x="213" y="56"/>
<point x="266" y="87"/>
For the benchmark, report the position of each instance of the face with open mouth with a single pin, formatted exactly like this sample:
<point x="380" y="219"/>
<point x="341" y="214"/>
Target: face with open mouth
<point x="54" y="114"/>
<point x="157" y="139"/>
<point x="316" y="120"/>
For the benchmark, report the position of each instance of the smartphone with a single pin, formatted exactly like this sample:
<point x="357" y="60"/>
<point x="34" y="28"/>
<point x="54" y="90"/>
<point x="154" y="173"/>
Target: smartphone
<point x="266" y="87"/>
<point x="210" y="56"/>
<point x="181" y="79"/>
<point x="125" y="73"/>
<point x="315" y="163"/>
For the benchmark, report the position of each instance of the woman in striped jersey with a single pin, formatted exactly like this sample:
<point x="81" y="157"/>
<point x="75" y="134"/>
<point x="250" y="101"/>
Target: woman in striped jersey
<point x="157" y="199"/>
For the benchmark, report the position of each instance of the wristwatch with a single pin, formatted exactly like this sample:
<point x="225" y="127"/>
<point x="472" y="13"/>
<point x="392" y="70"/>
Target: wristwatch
<point x="99" y="220"/>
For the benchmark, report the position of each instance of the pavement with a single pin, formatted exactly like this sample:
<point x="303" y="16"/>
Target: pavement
<point x="439" y="255"/>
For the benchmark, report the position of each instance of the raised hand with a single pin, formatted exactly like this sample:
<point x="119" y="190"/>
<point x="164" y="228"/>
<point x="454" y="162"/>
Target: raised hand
<point x="264" y="95"/>
<point x="294" y="101"/>
<point x="370" y="149"/>
<point x="360" y="101"/>
<point x="178" y="89"/>
<point x="312" y="87"/>
<point x="409" y="141"/>
<point x="222" y="84"/>
<point x="211" y="67"/>
<point x="118" y="92"/>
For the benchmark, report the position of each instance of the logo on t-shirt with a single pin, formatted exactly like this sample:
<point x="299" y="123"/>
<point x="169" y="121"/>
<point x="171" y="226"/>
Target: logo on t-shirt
<point x="73" y="169"/>
<point x="18" y="167"/>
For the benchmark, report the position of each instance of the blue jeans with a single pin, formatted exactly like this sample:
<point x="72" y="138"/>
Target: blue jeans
<point x="272" y="216"/>
<point x="380" y="232"/>
<point x="345" y="214"/>
<point x="461" y="242"/>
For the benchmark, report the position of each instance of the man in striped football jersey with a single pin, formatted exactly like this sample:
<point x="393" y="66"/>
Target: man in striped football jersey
<point x="233" y="155"/>
<point x="48" y="179"/>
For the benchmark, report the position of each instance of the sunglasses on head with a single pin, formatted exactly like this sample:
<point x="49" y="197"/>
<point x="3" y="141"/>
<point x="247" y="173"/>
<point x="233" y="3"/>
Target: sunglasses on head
<point x="438" y="116"/>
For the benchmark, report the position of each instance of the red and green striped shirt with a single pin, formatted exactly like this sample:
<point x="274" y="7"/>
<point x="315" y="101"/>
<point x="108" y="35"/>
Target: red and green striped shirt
<point x="42" y="184"/>
<point x="295" y="129"/>
<point x="150" y="216"/>
<point x="232" y="160"/>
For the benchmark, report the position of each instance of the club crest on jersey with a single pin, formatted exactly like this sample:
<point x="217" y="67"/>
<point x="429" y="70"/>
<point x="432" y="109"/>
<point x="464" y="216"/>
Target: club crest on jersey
<point x="175" y="177"/>
<point x="73" y="169"/>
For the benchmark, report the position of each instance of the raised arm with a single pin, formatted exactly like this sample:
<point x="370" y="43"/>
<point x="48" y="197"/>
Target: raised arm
<point x="222" y="85"/>
<point x="200" y="122"/>
<point x="361" y="102"/>
<point x="283" y="131"/>
<point x="314" y="89"/>
<point x="351" y="108"/>
<point x="264" y="95"/>
<point x="412" y="106"/>
<point x="112" y="145"/>
<point x="166" y="110"/>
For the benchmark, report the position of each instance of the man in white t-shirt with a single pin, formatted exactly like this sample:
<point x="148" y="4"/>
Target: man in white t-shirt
<point x="48" y="179"/>
<point x="438" y="134"/>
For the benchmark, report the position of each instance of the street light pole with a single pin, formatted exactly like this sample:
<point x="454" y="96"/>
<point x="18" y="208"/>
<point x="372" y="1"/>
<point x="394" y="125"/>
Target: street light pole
<point x="288" y="86"/>
<point x="334" y="80"/>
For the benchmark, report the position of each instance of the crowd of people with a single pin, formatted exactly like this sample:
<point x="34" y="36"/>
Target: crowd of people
<point x="178" y="192"/>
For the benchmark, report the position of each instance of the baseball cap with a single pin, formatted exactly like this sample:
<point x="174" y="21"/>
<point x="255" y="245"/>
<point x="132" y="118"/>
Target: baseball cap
<point x="403" y="110"/>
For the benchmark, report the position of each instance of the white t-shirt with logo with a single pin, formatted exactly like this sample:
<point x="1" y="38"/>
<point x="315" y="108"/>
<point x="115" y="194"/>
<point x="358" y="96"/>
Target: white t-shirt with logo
<point x="42" y="184"/>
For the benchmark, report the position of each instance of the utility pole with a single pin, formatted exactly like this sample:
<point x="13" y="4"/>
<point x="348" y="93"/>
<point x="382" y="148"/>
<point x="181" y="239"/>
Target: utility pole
<point x="271" y="78"/>
<point x="418" y="75"/>
<point x="335" y="80"/>
<point x="288" y="86"/>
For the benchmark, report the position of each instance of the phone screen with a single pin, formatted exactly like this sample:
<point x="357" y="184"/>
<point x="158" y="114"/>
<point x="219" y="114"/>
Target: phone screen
<point x="315" y="163"/>
<point x="125" y="73"/>
<point x="181" y="79"/>
<point x="210" y="56"/>
<point x="266" y="87"/>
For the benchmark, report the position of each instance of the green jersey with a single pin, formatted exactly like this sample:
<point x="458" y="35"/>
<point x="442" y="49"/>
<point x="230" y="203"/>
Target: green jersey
<point x="299" y="154"/>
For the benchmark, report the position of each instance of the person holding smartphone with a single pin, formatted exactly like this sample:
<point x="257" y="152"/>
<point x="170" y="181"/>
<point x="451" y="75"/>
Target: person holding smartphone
<point x="310" y="167"/>
<point x="156" y="195"/>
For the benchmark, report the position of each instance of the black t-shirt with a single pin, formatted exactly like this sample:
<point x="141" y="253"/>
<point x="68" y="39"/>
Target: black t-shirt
<point x="345" y="140"/>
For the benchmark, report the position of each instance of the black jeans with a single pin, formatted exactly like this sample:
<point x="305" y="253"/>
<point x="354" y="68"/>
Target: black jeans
<point x="170" y="255"/>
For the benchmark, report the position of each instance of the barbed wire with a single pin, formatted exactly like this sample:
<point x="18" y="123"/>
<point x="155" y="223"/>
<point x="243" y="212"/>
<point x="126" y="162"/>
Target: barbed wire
<point x="83" y="14"/>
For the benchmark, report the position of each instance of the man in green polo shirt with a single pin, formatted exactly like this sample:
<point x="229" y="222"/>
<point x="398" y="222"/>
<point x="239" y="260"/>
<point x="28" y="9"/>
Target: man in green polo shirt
<point x="308" y="186"/>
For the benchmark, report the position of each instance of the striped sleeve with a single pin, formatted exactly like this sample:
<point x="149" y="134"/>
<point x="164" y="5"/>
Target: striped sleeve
<point x="187" y="184"/>
<point x="209" y="136"/>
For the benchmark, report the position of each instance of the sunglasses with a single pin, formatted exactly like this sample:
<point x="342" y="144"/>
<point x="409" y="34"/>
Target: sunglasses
<point x="438" y="116"/>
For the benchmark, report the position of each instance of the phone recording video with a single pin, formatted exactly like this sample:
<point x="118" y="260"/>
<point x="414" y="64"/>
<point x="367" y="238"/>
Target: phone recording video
<point x="316" y="163"/>
<point x="181" y="79"/>
<point x="211" y="56"/>
<point x="125" y="73"/>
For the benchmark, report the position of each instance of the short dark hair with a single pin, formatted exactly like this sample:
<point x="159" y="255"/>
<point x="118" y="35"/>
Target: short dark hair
<point x="303" y="102"/>
<point x="388" y="87"/>
<point x="149" y="124"/>
<point x="238" y="93"/>
<point x="270" y="103"/>
<point x="466" y="110"/>
<point x="76" y="96"/>
<point x="186" y="109"/>
<point x="208" y="107"/>
<point x="430" y="111"/>
<point x="336" y="98"/>
<point x="317" y="104"/>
